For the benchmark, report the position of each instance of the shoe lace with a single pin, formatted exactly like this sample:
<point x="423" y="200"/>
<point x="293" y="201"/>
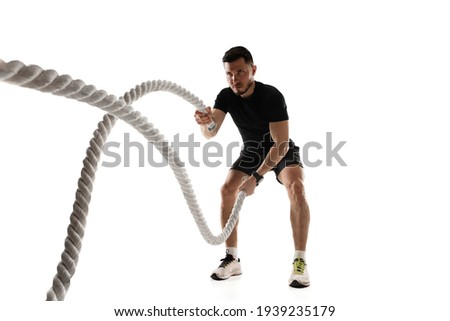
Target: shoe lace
<point x="226" y="260"/>
<point x="299" y="266"/>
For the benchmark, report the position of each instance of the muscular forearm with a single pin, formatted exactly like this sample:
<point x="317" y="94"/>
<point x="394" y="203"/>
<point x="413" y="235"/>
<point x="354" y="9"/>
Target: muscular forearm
<point x="275" y="155"/>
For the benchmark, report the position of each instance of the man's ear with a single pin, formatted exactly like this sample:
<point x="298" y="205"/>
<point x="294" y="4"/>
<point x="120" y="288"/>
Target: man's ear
<point x="254" y="69"/>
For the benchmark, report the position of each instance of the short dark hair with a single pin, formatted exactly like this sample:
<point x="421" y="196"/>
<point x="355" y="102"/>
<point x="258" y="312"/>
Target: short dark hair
<point x="238" y="52"/>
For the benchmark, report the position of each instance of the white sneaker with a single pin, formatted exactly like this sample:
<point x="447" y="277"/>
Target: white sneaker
<point x="300" y="276"/>
<point x="229" y="267"/>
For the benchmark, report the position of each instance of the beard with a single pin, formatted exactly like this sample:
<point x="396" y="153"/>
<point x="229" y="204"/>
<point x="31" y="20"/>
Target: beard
<point x="240" y="92"/>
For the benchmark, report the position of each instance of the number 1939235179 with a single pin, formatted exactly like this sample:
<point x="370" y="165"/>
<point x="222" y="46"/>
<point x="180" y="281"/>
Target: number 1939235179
<point x="296" y="311"/>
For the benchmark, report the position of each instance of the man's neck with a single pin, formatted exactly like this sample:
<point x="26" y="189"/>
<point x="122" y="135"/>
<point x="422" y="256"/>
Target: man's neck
<point x="249" y="91"/>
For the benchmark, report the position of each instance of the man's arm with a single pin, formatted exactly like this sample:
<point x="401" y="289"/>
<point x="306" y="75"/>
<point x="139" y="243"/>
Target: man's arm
<point x="203" y="119"/>
<point x="279" y="131"/>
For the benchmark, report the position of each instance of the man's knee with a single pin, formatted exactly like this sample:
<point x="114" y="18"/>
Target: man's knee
<point x="228" y="190"/>
<point x="231" y="186"/>
<point x="296" y="191"/>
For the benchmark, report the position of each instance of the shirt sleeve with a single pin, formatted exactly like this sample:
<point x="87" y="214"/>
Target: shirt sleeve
<point x="277" y="109"/>
<point x="222" y="102"/>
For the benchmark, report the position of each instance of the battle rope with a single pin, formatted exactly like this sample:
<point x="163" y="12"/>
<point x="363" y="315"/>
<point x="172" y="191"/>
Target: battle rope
<point x="34" y="77"/>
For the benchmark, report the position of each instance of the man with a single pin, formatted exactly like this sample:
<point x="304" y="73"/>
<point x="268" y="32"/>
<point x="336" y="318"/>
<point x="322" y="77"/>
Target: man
<point x="259" y="112"/>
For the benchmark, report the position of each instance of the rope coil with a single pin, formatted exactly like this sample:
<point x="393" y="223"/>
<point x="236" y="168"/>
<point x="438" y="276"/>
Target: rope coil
<point x="34" y="77"/>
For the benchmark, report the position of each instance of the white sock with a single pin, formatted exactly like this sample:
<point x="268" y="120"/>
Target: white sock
<point x="300" y="254"/>
<point x="233" y="251"/>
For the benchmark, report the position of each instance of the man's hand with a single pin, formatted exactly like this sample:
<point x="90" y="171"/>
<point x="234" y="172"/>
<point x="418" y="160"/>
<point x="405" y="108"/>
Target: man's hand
<point x="248" y="185"/>
<point x="203" y="118"/>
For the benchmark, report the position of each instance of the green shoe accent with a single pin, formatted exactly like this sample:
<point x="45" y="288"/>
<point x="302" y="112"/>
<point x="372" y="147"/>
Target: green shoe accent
<point x="299" y="266"/>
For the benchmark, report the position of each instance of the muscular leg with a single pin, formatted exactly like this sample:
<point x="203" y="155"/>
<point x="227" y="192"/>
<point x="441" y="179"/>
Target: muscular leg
<point x="229" y="192"/>
<point x="292" y="179"/>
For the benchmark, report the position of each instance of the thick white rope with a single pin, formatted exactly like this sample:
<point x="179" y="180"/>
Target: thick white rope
<point x="32" y="76"/>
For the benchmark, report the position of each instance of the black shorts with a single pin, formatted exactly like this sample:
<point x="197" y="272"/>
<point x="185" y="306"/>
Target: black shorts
<point x="250" y="159"/>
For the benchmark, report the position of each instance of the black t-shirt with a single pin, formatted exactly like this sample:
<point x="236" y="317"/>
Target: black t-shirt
<point x="252" y="115"/>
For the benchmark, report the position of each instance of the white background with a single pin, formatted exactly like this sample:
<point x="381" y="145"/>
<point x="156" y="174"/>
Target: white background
<point x="375" y="74"/>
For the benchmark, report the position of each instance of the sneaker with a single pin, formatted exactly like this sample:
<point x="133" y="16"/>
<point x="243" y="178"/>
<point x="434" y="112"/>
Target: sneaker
<point x="300" y="276"/>
<point x="229" y="267"/>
